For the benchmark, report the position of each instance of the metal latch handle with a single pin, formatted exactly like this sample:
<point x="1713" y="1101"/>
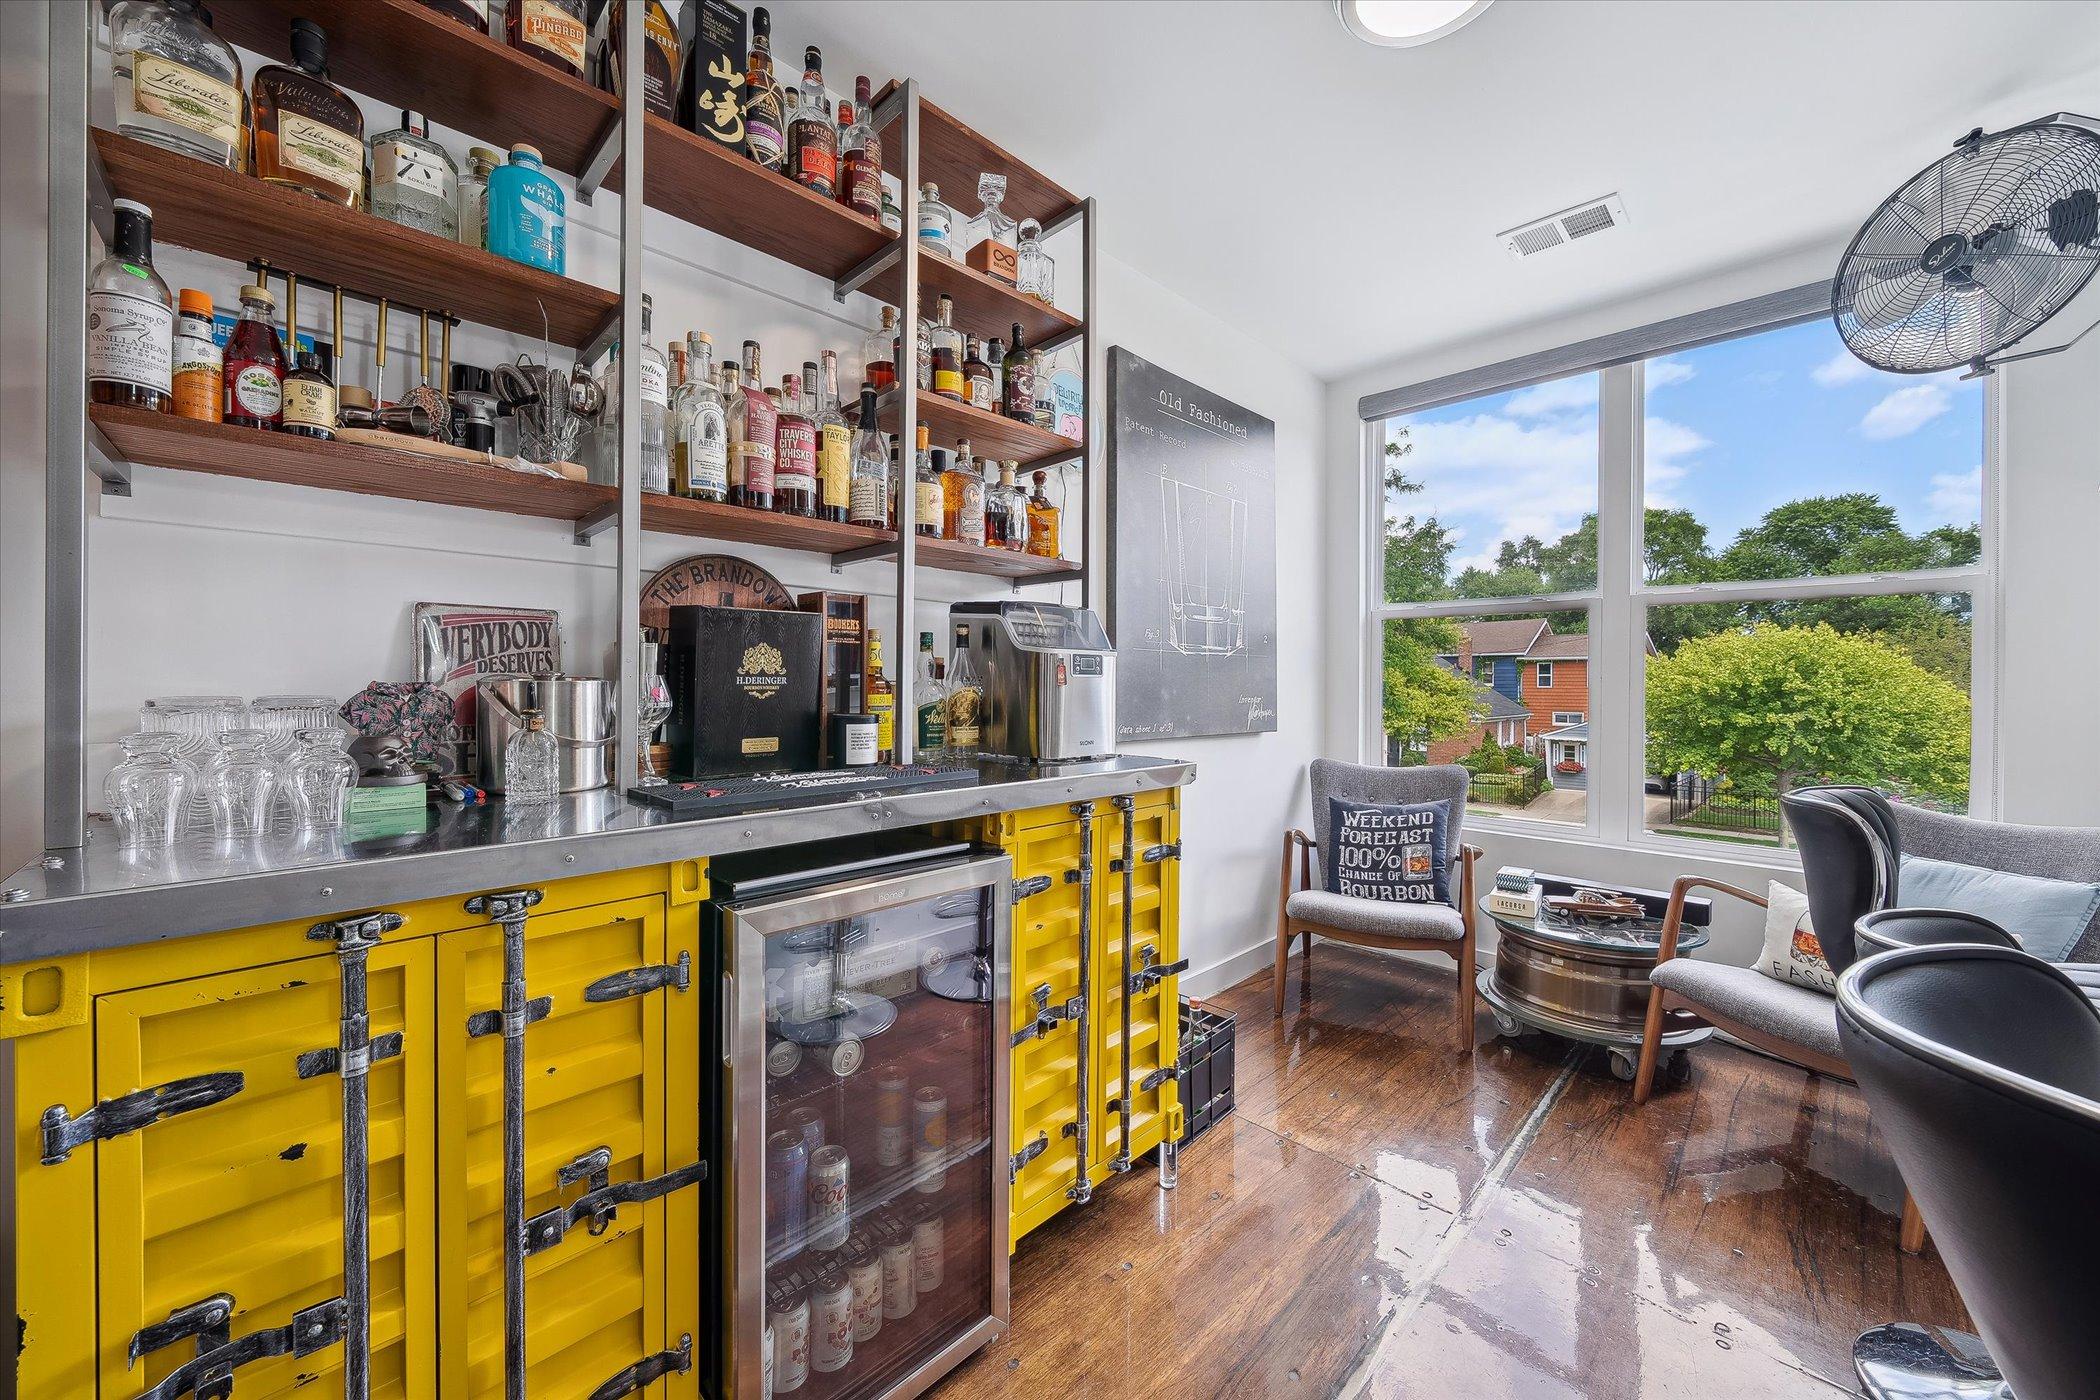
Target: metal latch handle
<point x="1033" y="885"/>
<point x="599" y="1207"/>
<point x="310" y="1329"/>
<point x="115" y="1117"/>
<point x="1026" y="1155"/>
<point x="678" y="1360"/>
<point x="209" y="1320"/>
<point x="637" y="981"/>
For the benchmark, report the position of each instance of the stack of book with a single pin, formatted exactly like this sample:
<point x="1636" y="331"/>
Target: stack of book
<point x="1515" y="894"/>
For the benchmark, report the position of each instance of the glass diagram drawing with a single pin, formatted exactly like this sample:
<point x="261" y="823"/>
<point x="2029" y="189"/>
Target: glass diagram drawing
<point x="1204" y="539"/>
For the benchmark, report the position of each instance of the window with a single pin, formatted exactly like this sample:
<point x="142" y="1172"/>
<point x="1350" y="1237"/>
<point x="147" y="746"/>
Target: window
<point x="1789" y="534"/>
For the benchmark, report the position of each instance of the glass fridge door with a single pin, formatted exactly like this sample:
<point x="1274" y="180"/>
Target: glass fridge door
<point x="868" y="1094"/>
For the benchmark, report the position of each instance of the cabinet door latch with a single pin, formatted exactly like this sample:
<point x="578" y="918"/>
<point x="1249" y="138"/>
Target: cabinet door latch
<point x="508" y="907"/>
<point x="637" y="981"/>
<point x="318" y="1062"/>
<point x="62" y="1132"/>
<point x="209" y="1320"/>
<point x="600" y="1205"/>
<point x="483" y="1023"/>
<point x="1047" y="1016"/>
<point x="1153" y="855"/>
<point x="1033" y="885"/>
<point x="1152" y="971"/>
<point x="310" y="1329"/>
<point x="677" y="1361"/>
<point x="1026" y="1155"/>
<point x="1158" y="1077"/>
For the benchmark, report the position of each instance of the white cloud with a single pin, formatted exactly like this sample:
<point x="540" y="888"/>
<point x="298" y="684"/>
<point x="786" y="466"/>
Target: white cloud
<point x="1555" y="396"/>
<point x="1904" y="411"/>
<point x="1957" y="496"/>
<point x="1842" y="368"/>
<point x="1666" y="446"/>
<point x="1663" y="373"/>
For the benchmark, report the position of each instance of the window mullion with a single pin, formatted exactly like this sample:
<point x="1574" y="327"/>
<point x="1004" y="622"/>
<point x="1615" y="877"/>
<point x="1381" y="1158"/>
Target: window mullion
<point x="1616" y="741"/>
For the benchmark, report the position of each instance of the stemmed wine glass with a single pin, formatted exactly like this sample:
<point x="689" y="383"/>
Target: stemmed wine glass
<point x="654" y="708"/>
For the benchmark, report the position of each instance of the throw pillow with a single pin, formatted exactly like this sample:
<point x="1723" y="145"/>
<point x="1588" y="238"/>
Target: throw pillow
<point x="2047" y="916"/>
<point x="1791" y="952"/>
<point x="1395" y="854"/>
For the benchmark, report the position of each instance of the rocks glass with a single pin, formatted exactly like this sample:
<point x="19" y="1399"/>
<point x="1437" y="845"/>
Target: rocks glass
<point x="319" y="776"/>
<point x="147" y="791"/>
<point x="240" y="781"/>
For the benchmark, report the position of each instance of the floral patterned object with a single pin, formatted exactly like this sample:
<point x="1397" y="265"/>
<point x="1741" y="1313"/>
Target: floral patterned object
<point x="421" y="713"/>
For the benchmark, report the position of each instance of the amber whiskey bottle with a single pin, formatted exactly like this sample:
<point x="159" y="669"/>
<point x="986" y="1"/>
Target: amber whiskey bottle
<point x="765" y="128"/>
<point x="556" y="32"/>
<point x="309" y="135"/>
<point x="660" y="60"/>
<point x="813" y="137"/>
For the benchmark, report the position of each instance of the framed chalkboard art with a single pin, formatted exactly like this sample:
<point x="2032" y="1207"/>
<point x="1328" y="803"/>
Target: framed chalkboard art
<point x="1191" y="557"/>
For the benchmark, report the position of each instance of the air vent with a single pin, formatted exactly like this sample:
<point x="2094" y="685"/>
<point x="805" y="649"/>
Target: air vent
<point x="1589" y="217"/>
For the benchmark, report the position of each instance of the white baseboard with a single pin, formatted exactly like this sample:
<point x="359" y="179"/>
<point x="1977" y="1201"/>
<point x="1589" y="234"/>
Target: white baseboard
<point x="1209" y="981"/>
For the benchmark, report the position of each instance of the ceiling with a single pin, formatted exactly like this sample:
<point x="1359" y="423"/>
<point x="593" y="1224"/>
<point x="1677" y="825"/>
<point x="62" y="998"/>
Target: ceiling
<point x="1339" y="202"/>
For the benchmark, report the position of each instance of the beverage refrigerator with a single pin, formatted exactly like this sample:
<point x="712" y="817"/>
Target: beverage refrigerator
<point x="862" y="1224"/>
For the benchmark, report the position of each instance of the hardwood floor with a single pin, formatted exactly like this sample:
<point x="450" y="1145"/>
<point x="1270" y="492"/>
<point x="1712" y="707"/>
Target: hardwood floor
<point x="1383" y="1217"/>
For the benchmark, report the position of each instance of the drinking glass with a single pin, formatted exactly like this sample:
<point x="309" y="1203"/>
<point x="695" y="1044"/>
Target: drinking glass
<point x="196" y="721"/>
<point x="655" y="708"/>
<point x="241" y="780"/>
<point x="321" y="776"/>
<point x="146" y="791"/>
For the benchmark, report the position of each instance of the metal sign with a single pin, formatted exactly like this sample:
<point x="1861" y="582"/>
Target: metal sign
<point x="456" y="644"/>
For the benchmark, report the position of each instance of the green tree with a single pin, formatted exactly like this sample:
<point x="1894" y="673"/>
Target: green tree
<point x="1422" y="698"/>
<point x="1775" y="708"/>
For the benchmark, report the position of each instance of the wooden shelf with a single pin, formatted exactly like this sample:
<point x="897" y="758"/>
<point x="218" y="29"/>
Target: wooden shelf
<point x="975" y="559"/>
<point x="984" y="306"/>
<point x="953" y="155"/>
<point x="990" y="434"/>
<point x="218" y="449"/>
<point x="680" y="515"/>
<point x="407" y="55"/>
<point x="214" y="210"/>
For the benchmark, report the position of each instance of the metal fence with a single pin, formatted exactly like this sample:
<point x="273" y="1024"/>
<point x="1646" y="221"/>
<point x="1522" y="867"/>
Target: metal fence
<point x="1695" y="801"/>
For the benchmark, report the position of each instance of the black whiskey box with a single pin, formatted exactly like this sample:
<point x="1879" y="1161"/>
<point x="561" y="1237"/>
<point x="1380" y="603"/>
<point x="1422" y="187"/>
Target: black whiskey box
<point x="712" y="37"/>
<point x="746" y="690"/>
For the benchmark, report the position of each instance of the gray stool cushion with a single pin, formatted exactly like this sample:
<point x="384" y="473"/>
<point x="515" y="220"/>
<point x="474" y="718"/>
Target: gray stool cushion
<point x="1793" y="1014"/>
<point x="1389" y="920"/>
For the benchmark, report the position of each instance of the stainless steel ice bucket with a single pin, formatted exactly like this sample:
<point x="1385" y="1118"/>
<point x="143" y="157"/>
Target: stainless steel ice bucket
<point x="578" y="713"/>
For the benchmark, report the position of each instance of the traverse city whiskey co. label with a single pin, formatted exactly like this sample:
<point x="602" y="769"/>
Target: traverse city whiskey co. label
<point x="712" y="581"/>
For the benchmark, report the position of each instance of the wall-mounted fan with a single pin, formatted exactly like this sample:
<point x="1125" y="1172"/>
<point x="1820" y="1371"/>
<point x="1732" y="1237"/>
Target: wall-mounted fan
<point x="1975" y="251"/>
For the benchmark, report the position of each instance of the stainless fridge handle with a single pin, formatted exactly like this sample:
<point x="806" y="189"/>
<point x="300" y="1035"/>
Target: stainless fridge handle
<point x="728" y="1021"/>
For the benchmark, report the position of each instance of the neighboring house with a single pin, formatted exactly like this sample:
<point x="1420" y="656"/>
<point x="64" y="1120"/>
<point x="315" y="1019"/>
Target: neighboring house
<point x="1537" y="673"/>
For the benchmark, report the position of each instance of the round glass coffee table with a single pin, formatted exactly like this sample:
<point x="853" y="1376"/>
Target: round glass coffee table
<point x="1586" y="983"/>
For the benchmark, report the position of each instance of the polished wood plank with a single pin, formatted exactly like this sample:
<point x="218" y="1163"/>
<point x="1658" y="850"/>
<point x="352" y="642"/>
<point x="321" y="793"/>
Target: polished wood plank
<point x="990" y="434"/>
<point x="984" y="306"/>
<point x="953" y="154"/>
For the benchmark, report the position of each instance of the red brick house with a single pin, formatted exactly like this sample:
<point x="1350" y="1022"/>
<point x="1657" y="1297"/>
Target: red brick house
<point x="1539" y="684"/>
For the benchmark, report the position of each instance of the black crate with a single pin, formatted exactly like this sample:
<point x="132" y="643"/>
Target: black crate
<point x="1207" y="1037"/>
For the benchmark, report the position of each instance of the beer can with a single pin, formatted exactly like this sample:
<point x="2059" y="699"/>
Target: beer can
<point x="926" y="1250"/>
<point x="864" y="1273"/>
<point x="892" y="1130"/>
<point x="830" y="1209"/>
<point x="781" y="1058"/>
<point x="929" y="1140"/>
<point x="790" y="1326"/>
<point x="900" y="1289"/>
<point x="787" y="1190"/>
<point x="809" y="1125"/>
<point x="765" y="1365"/>
<point x="846" y="1057"/>
<point x="831" y="1323"/>
<point x="809" y="990"/>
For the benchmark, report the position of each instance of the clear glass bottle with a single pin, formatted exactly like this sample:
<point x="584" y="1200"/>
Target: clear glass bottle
<point x="870" y="503"/>
<point x="878" y="353"/>
<point x="1006" y="512"/>
<point x="860" y="154"/>
<point x="309" y="133"/>
<point x="755" y="429"/>
<point x="198" y="363"/>
<point x="474" y="196"/>
<point x="947" y="344"/>
<point x="936" y="221"/>
<point x="765" y="123"/>
<point x="1042" y="520"/>
<point x="656" y="401"/>
<point x="526" y="216"/>
<point x="321" y="774"/>
<point x="130" y="320"/>
<point x="962" y="499"/>
<point x="892" y="216"/>
<point x="700" y="428"/>
<point x="177" y="84"/>
<point x="925" y="352"/>
<point x="795" y="446"/>
<point x="414" y="182"/>
<point x="812" y="136"/>
<point x="241" y="781"/>
<point x="926" y="493"/>
<point x="930" y="704"/>
<point x="148" y="791"/>
<point x="1035" y="272"/>
<point x="992" y="225"/>
<point x="965" y="697"/>
<point x="834" y="446"/>
<point x="531" y="763"/>
<point x="254" y="366"/>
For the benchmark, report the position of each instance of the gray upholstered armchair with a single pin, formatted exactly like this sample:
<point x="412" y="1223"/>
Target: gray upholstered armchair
<point x="1311" y="909"/>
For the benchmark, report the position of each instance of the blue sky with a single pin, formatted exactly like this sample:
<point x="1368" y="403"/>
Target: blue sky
<point x="1732" y="430"/>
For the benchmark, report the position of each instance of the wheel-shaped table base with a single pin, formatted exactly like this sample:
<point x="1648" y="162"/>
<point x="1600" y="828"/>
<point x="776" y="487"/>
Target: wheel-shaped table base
<point x="1513" y="1018"/>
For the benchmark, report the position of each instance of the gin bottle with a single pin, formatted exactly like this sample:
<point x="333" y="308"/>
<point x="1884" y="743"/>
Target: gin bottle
<point x="870" y="503"/>
<point x="178" y="84"/>
<point x="656" y="455"/>
<point x="700" y="430"/>
<point x="414" y="182"/>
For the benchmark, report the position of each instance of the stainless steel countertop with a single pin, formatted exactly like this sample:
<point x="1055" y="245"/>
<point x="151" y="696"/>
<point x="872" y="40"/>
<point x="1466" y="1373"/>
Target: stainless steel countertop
<point x="103" y="897"/>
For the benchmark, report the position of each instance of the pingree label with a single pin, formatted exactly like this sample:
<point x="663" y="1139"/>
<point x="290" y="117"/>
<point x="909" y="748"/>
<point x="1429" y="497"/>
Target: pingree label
<point x="177" y="93"/>
<point x="548" y="26"/>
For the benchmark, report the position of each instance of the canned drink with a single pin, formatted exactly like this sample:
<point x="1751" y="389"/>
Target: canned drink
<point x="830" y="1209"/>
<point x="787" y="1190"/>
<point x="865" y="1276"/>
<point x="781" y="1058"/>
<point x="809" y="990"/>
<point x="831" y="1324"/>
<point x="846" y="1057"/>
<point x="765" y="1365"/>
<point x="926" y="1250"/>
<point x="790" y="1323"/>
<point x="892" y="1128"/>
<point x="808" y="1124"/>
<point x="900" y="1289"/>
<point x="929" y="1140"/>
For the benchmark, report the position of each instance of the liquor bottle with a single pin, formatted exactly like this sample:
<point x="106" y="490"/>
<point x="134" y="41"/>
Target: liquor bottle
<point x="755" y="425"/>
<point x="965" y="699"/>
<point x="472" y="13"/>
<point x="879" y="353"/>
<point x="1043" y="401"/>
<point x="881" y="701"/>
<point x="795" y="459"/>
<point x="962" y="499"/>
<point x="929" y="703"/>
<point x="860" y="154"/>
<point x="1034" y="271"/>
<point x="730" y="382"/>
<point x="869" y="503"/>
<point x="527" y="219"/>
<point x="198" y="363"/>
<point x="896" y="479"/>
<point x="834" y="447"/>
<point x="989" y="240"/>
<point x="556" y="32"/>
<point x="1042" y="521"/>
<point x="414" y="182"/>
<point x="926" y="488"/>
<point x="474" y="196"/>
<point x="700" y="427"/>
<point x="309" y="133"/>
<point x="177" y="84"/>
<point x="309" y="399"/>
<point x="660" y="57"/>
<point x="936" y="221"/>
<point x="1020" y="380"/>
<point x="656" y="401"/>
<point x="1006" y="512"/>
<point x="130" y="320"/>
<point x="764" y="129"/>
<point x="977" y="378"/>
<point x="925" y="353"/>
<point x="254" y="371"/>
<point x="995" y="361"/>
<point x="892" y="216"/>
<point x="947" y="351"/>
<point x="812" y="136"/>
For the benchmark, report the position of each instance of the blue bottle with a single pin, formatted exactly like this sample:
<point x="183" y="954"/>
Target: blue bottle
<point x="525" y="219"/>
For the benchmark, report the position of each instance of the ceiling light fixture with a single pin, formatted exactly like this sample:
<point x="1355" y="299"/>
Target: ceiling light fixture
<point x="1404" y="24"/>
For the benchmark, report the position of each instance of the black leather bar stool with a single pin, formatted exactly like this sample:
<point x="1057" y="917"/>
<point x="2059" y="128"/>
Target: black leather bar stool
<point x="1981" y="1066"/>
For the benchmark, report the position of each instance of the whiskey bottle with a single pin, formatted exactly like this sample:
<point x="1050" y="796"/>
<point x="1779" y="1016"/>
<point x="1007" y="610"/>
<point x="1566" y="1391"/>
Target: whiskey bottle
<point x="962" y="499"/>
<point x="834" y="447"/>
<point x="1006" y="512"/>
<point x="929" y="704"/>
<point x="414" y="182"/>
<point x="882" y="701"/>
<point x="764" y="129"/>
<point x="947" y="351"/>
<point x="926" y="488"/>
<point x="995" y="360"/>
<point x="965" y="699"/>
<point x="1042" y="521"/>
<point x="795" y="461"/>
<point x="178" y="84"/>
<point x="1020" y="379"/>
<point x="309" y="134"/>
<point x="660" y="58"/>
<point x="754" y="428"/>
<point x="130" y="320"/>
<point x="977" y="378"/>
<point x="700" y="428"/>
<point x="878" y="353"/>
<point x="870" y="501"/>
<point x="556" y="32"/>
<point x="860" y="154"/>
<point x="812" y="138"/>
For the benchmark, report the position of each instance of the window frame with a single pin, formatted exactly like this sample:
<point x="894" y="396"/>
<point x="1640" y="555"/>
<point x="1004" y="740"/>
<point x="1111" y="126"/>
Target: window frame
<point x="1617" y="610"/>
<point x="1542" y="677"/>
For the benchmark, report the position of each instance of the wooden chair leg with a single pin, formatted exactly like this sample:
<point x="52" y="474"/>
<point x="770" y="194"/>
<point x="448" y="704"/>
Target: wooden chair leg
<point x="1465" y="993"/>
<point x="1283" y="924"/>
<point x="1911" y="1233"/>
<point x="1651" y="1047"/>
<point x="1283" y="958"/>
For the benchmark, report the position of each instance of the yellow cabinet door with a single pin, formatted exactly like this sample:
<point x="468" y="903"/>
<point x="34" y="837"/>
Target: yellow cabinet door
<point x="595" y="1078"/>
<point x="1153" y="828"/>
<point x="1046" y="961"/>
<point x="244" y="1196"/>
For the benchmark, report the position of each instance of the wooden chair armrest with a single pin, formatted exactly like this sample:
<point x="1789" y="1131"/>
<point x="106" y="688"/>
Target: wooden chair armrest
<point x="1295" y="837"/>
<point x="1673" y="917"/>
